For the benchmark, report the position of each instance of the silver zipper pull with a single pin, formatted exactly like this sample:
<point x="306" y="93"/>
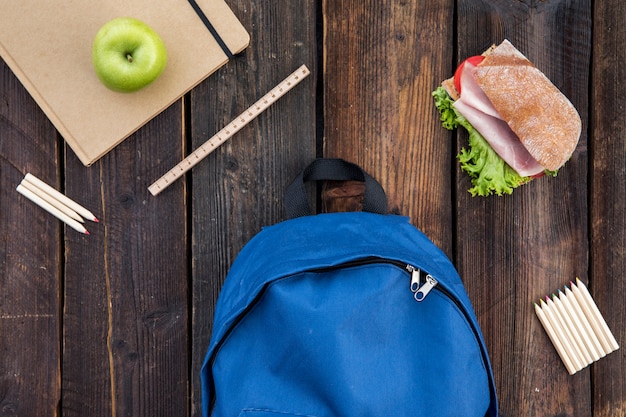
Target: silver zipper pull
<point x="423" y="291"/>
<point x="415" y="278"/>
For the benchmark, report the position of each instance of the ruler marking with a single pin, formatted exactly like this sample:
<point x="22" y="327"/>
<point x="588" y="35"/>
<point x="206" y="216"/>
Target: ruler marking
<point x="229" y="130"/>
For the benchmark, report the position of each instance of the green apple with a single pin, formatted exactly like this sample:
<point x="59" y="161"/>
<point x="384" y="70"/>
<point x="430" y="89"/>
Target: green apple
<point x="128" y="54"/>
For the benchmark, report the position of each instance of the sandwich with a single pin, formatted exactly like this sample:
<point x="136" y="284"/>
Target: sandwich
<point x="520" y="125"/>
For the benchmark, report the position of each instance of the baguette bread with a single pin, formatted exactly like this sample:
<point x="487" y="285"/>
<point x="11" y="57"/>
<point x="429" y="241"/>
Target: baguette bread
<point x="544" y="119"/>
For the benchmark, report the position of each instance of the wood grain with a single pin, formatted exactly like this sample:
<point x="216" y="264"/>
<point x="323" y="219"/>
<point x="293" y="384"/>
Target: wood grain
<point x="239" y="188"/>
<point x="117" y="323"/>
<point x="608" y="205"/>
<point x="512" y="250"/>
<point x="126" y="285"/>
<point x="30" y="252"/>
<point x="382" y="59"/>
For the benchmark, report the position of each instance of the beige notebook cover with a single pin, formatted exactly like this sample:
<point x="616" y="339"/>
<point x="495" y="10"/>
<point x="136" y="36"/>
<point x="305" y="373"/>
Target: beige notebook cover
<point x="47" y="44"/>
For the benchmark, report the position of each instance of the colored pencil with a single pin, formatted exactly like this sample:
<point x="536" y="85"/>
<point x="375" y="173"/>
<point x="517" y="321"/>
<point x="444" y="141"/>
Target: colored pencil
<point x="53" y="193"/>
<point x="51" y="209"/>
<point x="53" y="202"/>
<point x="575" y="326"/>
<point x="587" y="345"/>
<point x="583" y="320"/>
<point x="559" y="328"/>
<point x="610" y="344"/>
<point x="572" y="332"/>
<point x="554" y="338"/>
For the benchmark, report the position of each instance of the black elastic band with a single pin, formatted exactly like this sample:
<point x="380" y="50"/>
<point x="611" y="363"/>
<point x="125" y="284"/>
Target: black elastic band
<point x="211" y="28"/>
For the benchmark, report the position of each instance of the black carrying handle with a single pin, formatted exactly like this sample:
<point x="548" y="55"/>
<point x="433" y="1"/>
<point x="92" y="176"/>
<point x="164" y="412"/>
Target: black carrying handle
<point x="331" y="169"/>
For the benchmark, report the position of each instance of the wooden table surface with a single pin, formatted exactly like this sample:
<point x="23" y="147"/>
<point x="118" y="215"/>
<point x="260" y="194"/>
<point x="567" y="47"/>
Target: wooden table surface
<point x="117" y="323"/>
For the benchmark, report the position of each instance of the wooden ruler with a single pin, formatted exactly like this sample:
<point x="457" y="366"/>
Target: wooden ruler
<point x="227" y="132"/>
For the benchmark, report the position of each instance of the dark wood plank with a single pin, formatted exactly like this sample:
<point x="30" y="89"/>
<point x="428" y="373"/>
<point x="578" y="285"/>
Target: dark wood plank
<point x="512" y="250"/>
<point x="608" y="201"/>
<point x="239" y="188"/>
<point x="125" y="327"/>
<point x="30" y="251"/>
<point x="101" y="324"/>
<point x="382" y="60"/>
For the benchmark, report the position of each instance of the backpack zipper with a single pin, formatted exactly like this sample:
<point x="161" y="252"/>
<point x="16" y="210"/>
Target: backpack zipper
<point x="420" y="289"/>
<point x="421" y="282"/>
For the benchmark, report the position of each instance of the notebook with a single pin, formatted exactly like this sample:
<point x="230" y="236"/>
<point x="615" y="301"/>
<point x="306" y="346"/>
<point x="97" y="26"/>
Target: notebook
<point x="47" y="44"/>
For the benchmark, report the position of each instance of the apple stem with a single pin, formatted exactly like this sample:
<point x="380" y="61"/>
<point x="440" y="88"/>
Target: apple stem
<point x="129" y="57"/>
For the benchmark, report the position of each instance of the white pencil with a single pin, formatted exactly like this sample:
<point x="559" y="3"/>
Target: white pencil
<point x="51" y="209"/>
<point x="572" y="333"/>
<point x="52" y="201"/>
<point x="575" y="319"/>
<point x="60" y="197"/>
<point x="595" y="317"/>
<point x="554" y="338"/>
<point x="583" y="320"/>
<point x="559" y="328"/>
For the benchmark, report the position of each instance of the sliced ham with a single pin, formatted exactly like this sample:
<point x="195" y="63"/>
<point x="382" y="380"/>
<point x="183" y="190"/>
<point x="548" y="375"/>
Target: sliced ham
<point x="480" y="112"/>
<point x="473" y="94"/>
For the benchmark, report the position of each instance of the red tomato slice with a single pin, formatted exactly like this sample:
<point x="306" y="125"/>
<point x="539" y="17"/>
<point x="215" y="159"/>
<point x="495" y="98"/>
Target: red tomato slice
<point x="474" y="60"/>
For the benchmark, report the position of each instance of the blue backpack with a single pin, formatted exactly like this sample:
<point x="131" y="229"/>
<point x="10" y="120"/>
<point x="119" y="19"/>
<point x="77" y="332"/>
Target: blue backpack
<point x="345" y="314"/>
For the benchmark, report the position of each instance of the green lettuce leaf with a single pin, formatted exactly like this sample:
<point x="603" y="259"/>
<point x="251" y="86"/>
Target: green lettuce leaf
<point x="488" y="172"/>
<point x="443" y="102"/>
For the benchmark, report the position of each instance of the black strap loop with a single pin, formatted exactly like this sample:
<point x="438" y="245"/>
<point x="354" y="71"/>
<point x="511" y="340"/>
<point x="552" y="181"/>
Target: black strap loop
<point x="296" y="202"/>
<point x="211" y="29"/>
